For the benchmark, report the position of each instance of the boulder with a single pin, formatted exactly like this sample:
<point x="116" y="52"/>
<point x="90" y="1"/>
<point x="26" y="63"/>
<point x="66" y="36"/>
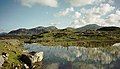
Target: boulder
<point x="26" y="60"/>
<point x="3" y="57"/>
<point x="1" y="61"/>
<point x="36" y="56"/>
<point x="117" y="44"/>
<point x="30" y="58"/>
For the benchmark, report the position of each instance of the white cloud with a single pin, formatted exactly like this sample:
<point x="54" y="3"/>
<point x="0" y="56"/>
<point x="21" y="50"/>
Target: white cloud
<point x="66" y="12"/>
<point x="100" y="10"/>
<point x="118" y="12"/>
<point x="113" y="19"/>
<point x="77" y="23"/>
<point x="95" y="15"/>
<point x="101" y="13"/>
<point x="30" y="3"/>
<point x="77" y="14"/>
<point x="79" y="2"/>
<point x="111" y="1"/>
<point x="105" y="8"/>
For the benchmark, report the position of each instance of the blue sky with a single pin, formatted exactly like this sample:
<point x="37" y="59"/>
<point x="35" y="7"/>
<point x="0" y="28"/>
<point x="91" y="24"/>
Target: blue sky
<point x="16" y="14"/>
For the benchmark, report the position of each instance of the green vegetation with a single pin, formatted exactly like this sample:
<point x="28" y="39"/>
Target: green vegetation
<point x="14" y="49"/>
<point x="66" y="37"/>
<point x="88" y="36"/>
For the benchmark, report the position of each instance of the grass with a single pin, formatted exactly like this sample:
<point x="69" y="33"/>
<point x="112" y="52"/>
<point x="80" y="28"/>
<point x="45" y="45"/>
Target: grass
<point x="13" y="49"/>
<point x="71" y="38"/>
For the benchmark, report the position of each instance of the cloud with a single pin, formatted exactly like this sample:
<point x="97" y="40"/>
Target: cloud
<point x="79" y="2"/>
<point x="30" y="3"/>
<point x="114" y="18"/>
<point x="54" y="23"/>
<point x="111" y="2"/>
<point x="100" y="15"/>
<point x="105" y="8"/>
<point x="102" y="9"/>
<point x="101" y="12"/>
<point x="77" y="23"/>
<point x="77" y="14"/>
<point x="66" y="11"/>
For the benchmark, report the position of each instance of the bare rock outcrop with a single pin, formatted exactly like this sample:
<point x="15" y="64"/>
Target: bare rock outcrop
<point x="3" y="57"/>
<point x="29" y="59"/>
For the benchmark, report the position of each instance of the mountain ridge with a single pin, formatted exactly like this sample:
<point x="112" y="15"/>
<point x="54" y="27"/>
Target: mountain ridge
<point x="42" y="29"/>
<point x="32" y="31"/>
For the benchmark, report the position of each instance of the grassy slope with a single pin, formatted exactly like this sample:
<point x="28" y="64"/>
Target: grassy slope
<point x="13" y="48"/>
<point x="77" y="39"/>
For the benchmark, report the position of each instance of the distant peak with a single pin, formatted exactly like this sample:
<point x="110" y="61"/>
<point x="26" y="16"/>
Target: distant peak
<point x="89" y="27"/>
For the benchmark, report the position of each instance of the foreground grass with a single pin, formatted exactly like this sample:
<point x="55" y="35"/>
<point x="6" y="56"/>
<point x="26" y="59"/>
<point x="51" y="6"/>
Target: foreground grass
<point x="14" y="49"/>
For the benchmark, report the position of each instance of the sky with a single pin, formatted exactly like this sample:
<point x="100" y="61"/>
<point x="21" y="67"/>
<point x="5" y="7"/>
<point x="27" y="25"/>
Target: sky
<point x="15" y="14"/>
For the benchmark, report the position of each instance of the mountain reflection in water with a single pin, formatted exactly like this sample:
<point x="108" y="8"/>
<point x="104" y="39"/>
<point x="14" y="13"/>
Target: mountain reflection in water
<point x="59" y="57"/>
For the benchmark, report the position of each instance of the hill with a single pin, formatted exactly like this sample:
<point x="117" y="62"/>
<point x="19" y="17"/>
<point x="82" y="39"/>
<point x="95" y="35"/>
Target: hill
<point x="88" y="27"/>
<point x="109" y="29"/>
<point x="33" y="31"/>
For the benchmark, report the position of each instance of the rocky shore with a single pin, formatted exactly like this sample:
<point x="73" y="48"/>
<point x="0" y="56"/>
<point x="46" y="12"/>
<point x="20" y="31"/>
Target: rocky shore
<point x="14" y="56"/>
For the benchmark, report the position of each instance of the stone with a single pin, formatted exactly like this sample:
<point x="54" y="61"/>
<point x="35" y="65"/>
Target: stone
<point x="1" y="61"/>
<point x="26" y="60"/>
<point x="37" y="57"/>
<point x="25" y="65"/>
<point x="30" y="58"/>
<point x="117" y="44"/>
<point x="3" y="57"/>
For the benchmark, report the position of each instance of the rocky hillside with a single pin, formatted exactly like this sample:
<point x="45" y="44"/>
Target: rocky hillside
<point x="89" y="27"/>
<point x="33" y="31"/>
<point x="41" y="29"/>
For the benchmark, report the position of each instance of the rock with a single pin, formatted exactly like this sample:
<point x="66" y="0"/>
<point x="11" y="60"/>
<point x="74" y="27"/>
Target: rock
<point x="36" y="57"/>
<point x="25" y="65"/>
<point x="38" y="65"/>
<point x="1" y="61"/>
<point x="26" y="60"/>
<point x="30" y="58"/>
<point x="116" y="44"/>
<point x="3" y="57"/>
<point x="25" y="51"/>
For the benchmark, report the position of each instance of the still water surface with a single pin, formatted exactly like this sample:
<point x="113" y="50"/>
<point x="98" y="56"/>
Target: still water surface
<point x="72" y="57"/>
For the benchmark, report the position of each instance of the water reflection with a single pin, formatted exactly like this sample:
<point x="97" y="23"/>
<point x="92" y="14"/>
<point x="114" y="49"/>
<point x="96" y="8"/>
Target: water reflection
<point x="76" y="57"/>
